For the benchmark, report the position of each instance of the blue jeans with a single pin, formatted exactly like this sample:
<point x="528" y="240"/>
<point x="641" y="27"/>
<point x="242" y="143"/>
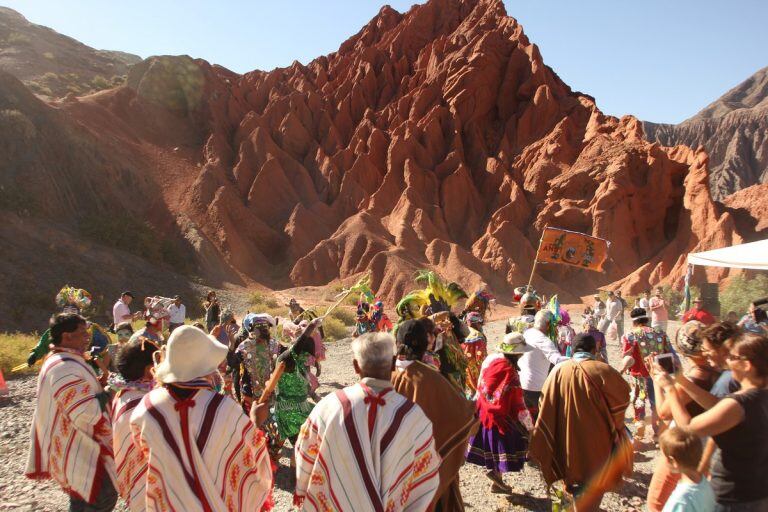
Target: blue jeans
<point x="105" y="500"/>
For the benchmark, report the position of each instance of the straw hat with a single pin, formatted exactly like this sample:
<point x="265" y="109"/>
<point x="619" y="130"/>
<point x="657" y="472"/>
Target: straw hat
<point x="190" y="354"/>
<point x="514" y="343"/>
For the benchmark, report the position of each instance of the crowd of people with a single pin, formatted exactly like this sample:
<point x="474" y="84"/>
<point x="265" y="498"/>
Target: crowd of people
<point x="174" y="416"/>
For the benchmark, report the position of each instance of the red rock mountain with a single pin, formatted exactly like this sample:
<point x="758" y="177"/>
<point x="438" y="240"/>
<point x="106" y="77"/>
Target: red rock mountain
<point x="733" y="130"/>
<point x="435" y="138"/>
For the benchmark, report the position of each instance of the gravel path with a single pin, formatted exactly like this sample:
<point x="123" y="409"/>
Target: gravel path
<point x="18" y="493"/>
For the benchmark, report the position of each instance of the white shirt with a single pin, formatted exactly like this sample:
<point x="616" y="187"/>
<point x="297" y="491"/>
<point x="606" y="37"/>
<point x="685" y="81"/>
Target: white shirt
<point x="599" y="309"/>
<point x="534" y="365"/>
<point x="644" y="303"/>
<point x="177" y="313"/>
<point x="613" y="309"/>
<point x="119" y="311"/>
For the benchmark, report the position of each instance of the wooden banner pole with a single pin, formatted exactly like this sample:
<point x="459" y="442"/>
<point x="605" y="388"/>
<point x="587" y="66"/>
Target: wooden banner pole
<point x="535" y="260"/>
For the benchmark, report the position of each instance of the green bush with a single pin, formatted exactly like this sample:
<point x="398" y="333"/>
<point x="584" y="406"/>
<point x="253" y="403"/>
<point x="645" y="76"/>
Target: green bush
<point x="40" y="89"/>
<point x="258" y="300"/>
<point x="14" y="350"/>
<point x="99" y="82"/>
<point x="334" y="329"/>
<point x="674" y="298"/>
<point x="740" y="291"/>
<point x="345" y="316"/>
<point x="118" y="80"/>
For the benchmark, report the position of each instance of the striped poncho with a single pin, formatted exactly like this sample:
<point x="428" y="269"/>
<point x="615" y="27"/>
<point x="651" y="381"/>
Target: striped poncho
<point x="71" y="433"/>
<point x="202" y="453"/>
<point x="366" y="447"/>
<point x="129" y="462"/>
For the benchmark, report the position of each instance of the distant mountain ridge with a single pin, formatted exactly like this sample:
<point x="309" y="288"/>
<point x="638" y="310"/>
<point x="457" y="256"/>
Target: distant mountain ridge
<point x="53" y="65"/>
<point x="734" y="131"/>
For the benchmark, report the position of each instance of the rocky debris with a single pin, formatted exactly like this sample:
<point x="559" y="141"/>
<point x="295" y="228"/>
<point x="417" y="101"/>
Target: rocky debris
<point x="734" y="131"/>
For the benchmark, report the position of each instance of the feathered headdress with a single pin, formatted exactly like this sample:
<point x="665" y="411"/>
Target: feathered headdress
<point x="69" y="296"/>
<point x="554" y="308"/>
<point x="436" y="296"/>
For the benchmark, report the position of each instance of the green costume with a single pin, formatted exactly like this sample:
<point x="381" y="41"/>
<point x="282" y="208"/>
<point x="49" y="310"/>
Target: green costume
<point x="292" y="405"/>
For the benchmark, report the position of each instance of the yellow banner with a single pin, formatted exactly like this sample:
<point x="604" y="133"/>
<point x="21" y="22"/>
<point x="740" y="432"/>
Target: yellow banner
<point x="571" y="248"/>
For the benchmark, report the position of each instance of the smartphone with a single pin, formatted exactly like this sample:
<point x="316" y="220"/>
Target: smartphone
<point x="667" y="362"/>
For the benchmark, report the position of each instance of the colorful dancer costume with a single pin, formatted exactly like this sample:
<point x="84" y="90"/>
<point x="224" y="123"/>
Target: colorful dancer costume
<point x="639" y="343"/>
<point x="435" y="300"/>
<point x="475" y="350"/>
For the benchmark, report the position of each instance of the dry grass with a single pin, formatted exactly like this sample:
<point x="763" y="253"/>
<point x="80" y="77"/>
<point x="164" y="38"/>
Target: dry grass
<point x="14" y="350"/>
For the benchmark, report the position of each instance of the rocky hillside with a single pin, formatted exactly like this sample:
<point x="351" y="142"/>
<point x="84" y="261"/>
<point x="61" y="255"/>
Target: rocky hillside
<point x="435" y="138"/>
<point x="53" y="65"/>
<point x="733" y="130"/>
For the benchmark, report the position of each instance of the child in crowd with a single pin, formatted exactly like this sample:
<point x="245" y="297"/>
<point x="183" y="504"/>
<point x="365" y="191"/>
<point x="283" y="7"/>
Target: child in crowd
<point x="683" y="450"/>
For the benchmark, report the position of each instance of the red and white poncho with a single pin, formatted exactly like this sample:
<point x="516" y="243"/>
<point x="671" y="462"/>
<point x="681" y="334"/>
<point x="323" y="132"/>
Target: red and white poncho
<point x="366" y="447"/>
<point x="129" y="461"/>
<point x="203" y="454"/>
<point x="71" y="432"/>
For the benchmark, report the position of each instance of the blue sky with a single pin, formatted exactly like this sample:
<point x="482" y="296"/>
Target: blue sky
<point x="661" y="60"/>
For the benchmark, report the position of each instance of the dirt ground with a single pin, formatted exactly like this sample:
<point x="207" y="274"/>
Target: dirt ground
<point x="18" y="493"/>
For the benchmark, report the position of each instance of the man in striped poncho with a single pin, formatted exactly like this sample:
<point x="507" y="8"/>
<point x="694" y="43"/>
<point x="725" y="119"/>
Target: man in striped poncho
<point x="366" y="447"/>
<point x="71" y="431"/>
<point x="203" y="454"/>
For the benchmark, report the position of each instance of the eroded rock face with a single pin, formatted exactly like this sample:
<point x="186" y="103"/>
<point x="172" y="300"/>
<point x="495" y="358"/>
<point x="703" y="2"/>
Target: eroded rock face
<point x="733" y="130"/>
<point x="437" y="138"/>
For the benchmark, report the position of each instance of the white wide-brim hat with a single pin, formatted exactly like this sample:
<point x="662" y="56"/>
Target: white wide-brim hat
<point x="514" y="344"/>
<point x="190" y="354"/>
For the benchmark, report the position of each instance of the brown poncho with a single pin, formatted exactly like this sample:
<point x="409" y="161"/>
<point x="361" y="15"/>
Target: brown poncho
<point x="453" y="420"/>
<point x="573" y="438"/>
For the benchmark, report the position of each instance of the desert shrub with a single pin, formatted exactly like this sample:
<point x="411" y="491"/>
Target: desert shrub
<point x="740" y="291"/>
<point x="118" y="80"/>
<point x="674" y="298"/>
<point x="129" y="234"/>
<point x="50" y="76"/>
<point x="334" y="329"/>
<point x="49" y="55"/>
<point x="17" y="38"/>
<point x="99" y="82"/>
<point x="74" y="88"/>
<point x="16" y="126"/>
<point x="40" y="89"/>
<point x="256" y="299"/>
<point x="259" y="300"/>
<point x="345" y="316"/>
<point x="14" y="350"/>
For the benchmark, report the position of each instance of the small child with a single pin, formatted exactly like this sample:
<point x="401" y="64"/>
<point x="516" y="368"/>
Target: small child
<point x="683" y="449"/>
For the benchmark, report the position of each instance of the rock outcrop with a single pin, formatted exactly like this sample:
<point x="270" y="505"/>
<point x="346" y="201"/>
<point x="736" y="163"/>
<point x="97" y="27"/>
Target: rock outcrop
<point x="733" y="130"/>
<point x="435" y="138"/>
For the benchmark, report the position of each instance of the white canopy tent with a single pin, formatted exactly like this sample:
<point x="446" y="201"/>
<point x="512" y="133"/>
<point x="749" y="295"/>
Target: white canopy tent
<point x="753" y="255"/>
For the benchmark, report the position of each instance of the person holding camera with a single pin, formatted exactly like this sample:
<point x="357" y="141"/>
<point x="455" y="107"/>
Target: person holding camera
<point x="738" y="424"/>
<point x="689" y="343"/>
